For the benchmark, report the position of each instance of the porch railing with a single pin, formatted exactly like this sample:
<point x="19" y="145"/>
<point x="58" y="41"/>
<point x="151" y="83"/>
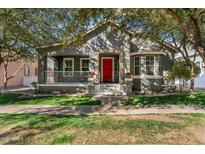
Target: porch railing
<point x="66" y="76"/>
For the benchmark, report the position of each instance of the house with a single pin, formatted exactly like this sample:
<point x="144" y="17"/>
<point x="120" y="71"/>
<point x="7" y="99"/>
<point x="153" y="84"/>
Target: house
<point x="199" y="81"/>
<point x="24" y="77"/>
<point x="105" y="55"/>
<point x="30" y="73"/>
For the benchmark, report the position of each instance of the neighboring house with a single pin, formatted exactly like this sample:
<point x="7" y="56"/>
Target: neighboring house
<point x="30" y="73"/>
<point x="200" y="79"/>
<point x="23" y="78"/>
<point x="106" y="55"/>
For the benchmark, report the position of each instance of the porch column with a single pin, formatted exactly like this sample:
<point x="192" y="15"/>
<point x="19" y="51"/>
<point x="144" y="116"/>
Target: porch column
<point x="126" y="61"/>
<point x="121" y="67"/>
<point x="94" y="67"/>
<point x="42" y="67"/>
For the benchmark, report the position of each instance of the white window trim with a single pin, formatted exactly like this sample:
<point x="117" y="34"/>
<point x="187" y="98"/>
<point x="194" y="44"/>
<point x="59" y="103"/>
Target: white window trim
<point x="81" y="59"/>
<point x="112" y="67"/>
<point x="149" y="65"/>
<point x="27" y="71"/>
<point x="138" y="65"/>
<point x="64" y="59"/>
<point x="156" y="70"/>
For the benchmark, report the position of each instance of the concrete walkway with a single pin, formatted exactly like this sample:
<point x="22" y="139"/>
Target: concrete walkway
<point x="98" y="110"/>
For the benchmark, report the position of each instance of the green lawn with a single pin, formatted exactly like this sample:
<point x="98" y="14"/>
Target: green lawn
<point x="11" y="98"/>
<point x="133" y="129"/>
<point x="178" y="99"/>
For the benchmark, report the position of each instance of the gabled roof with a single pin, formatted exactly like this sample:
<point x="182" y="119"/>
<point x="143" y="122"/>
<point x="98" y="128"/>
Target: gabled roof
<point x="108" y="22"/>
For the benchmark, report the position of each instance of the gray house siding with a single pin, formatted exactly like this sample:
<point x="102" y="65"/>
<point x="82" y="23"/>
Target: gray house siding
<point x="167" y="62"/>
<point x="136" y="84"/>
<point x="42" y="67"/>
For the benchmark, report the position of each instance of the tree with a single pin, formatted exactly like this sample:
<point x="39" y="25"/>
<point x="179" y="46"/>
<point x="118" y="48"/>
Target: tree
<point x="191" y="24"/>
<point x="22" y="30"/>
<point x="181" y="71"/>
<point x="161" y="24"/>
<point x="158" y="24"/>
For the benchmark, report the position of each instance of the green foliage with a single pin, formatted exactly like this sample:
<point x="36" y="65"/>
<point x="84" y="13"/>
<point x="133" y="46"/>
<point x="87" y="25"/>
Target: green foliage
<point x="10" y="98"/>
<point x="181" y="70"/>
<point x="183" y="99"/>
<point x="161" y="26"/>
<point x="62" y="139"/>
<point x="22" y="30"/>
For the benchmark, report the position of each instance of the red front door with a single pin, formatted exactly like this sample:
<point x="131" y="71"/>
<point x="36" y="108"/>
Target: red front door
<point x="107" y="70"/>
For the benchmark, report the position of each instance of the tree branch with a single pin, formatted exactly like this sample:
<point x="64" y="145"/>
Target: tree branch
<point x="18" y="70"/>
<point x="181" y="23"/>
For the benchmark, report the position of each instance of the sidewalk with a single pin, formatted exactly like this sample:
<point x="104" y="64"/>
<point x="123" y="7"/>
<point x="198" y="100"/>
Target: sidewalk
<point x="110" y="106"/>
<point x="98" y="110"/>
<point x="17" y="89"/>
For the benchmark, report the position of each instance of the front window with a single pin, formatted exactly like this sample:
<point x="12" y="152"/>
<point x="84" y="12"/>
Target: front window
<point x="149" y="65"/>
<point x="136" y="65"/>
<point x="68" y="67"/>
<point x="84" y="64"/>
<point x="84" y="67"/>
<point x="26" y="71"/>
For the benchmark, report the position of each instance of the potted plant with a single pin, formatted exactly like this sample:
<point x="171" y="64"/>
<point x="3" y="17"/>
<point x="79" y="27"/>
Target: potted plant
<point x="35" y="87"/>
<point x="128" y="76"/>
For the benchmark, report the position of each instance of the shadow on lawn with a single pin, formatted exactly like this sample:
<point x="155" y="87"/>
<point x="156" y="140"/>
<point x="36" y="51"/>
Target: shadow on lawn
<point x="33" y="125"/>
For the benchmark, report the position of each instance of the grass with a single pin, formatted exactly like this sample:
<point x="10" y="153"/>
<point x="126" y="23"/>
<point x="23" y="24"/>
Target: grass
<point x="56" y="129"/>
<point x="178" y="99"/>
<point x="12" y="98"/>
<point x="62" y="139"/>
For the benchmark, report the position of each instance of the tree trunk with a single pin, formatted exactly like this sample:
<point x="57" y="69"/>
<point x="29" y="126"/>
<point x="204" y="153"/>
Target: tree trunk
<point x="181" y="86"/>
<point x="1" y="62"/>
<point x="201" y="52"/>
<point x="5" y="74"/>
<point x="6" y="78"/>
<point x="192" y="85"/>
<point x="192" y="78"/>
<point x="5" y="84"/>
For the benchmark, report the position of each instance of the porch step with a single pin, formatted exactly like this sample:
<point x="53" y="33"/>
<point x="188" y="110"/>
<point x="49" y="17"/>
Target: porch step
<point x="110" y="89"/>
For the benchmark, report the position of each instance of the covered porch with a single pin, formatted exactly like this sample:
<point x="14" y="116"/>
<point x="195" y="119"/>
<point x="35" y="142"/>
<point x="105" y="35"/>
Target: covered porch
<point x="75" y="73"/>
<point x="64" y="73"/>
<point x="79" y="68"/>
